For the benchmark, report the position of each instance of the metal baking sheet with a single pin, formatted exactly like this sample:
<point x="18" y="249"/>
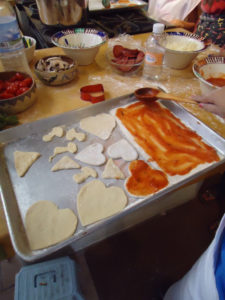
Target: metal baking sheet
<point x="96" y="5"/>
<point x="18" y="194"/>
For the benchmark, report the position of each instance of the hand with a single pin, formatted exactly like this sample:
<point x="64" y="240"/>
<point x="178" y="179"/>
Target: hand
<point x="213" y="102"/>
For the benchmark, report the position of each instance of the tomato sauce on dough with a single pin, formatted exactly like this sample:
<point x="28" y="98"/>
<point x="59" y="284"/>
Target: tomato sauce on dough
<point x="176" y="148"/>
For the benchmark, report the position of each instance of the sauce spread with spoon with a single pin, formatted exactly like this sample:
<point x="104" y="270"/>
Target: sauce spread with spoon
<point x="175" y="148"/>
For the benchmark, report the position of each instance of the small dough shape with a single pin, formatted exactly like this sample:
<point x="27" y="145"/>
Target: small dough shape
<point x="122" y="149"/>
<point x="56" y="131"/>
<point x="65" y="163"/>
<point x="85" y="173"/>
<point x="101" y="125"/>
<point x="24" y="160"/>
<point x="71" y="147"/>
<point x="96" y="202"/>
<point x="73" y="134"/>
<point x="112" y="171"/>
<point x="47" y="225"/>
<point x="92" y="155"/>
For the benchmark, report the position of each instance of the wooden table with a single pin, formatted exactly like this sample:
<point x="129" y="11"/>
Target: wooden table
<point x="55" y="100"/>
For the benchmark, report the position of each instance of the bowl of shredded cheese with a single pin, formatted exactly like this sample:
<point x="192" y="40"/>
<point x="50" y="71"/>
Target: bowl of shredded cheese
<point x="181" y="48"/>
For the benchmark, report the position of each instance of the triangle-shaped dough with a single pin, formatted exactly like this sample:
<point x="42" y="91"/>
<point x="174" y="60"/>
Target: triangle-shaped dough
<point x="112" y="171"/>
<point x="24" y="160"/>
<point x="65" y="163"/>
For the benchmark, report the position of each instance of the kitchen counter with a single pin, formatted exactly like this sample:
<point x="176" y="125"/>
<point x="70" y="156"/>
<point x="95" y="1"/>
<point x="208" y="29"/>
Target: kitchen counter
<point x="55" y="100"/>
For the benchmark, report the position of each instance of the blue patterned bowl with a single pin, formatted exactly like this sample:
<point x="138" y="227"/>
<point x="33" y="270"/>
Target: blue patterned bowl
<point x="81" y="44"/>
<point x="19" y="103"/>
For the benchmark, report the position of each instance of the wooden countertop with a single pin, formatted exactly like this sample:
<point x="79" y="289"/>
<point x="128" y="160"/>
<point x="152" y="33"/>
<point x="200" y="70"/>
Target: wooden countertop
<point x="55" y="100"/>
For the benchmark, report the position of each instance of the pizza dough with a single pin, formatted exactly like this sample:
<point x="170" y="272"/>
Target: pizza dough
<point x="122" y="149"/>
<point x="56" y="131"/>
<point x="65" y="163"/>
<point x="112" y="171"/>
<point x="92" y="155"/>
<point x="73" y="134"/>
<point x="24" y="160"/>
<point x="101" y="125"/>
<point x="71" y="147"/>
<point x="85" y="173"/>
<point x="96" y="202"/>
<point x="46" y="225"/>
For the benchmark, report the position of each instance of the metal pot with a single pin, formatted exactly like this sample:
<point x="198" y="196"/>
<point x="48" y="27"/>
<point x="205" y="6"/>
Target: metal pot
<point x="62" y="12"/>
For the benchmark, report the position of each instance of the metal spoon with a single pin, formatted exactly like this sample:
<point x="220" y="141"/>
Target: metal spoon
<point x="151" y="95"/>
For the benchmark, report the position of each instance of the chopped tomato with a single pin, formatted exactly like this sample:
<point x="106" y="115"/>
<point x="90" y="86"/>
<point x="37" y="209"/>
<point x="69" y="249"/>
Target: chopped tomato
<point x="21" y="90"/>
<point x="6" y="95"/>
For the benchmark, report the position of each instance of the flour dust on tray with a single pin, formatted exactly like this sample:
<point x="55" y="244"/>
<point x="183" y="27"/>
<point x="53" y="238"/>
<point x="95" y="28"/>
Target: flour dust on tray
<point x="47" y="225"/>
<point x="95" y="202"/>
<point x="100" y="125"/>
<point x="24" y="160"/>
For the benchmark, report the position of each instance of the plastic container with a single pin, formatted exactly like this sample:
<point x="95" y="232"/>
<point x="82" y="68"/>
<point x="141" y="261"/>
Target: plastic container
<point x="12" y="54"/>
<point x="55" y="279"/>
<point x="154" y="54"/>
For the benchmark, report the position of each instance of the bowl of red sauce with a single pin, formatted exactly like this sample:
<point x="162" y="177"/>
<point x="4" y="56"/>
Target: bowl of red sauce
<point x="211" y="73"/>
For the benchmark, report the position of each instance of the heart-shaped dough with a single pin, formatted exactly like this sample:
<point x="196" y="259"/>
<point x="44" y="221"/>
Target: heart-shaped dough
<point x="101" y="125"/>
<point x="96" y="202"/>
<point x="92" y="155"/>
<point x="46" y="225"/>
<point x="144" y="180"/>
<point x="122" y="149"/>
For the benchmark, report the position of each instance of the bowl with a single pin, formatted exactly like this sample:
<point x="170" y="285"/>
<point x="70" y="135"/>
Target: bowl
<point x="125" y="61"/>
<point x="30" y="46"/>
<point x="21" y="102"/>
<point x="56" y="69"/>
<point x="181" y="48"/>
<point x="81" y="44"/>
<point x="212" y="69"/>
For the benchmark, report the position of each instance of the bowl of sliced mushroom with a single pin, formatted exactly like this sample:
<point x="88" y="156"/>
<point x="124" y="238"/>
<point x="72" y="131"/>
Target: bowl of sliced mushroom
<point x="56" y="70"/>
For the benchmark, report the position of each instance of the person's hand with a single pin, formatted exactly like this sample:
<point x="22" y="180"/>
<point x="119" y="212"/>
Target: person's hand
<point x="213" y="102"/>
<point x="183" y="24"/>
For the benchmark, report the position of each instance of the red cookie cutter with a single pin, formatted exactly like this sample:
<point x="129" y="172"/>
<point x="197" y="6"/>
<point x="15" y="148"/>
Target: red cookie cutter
<point x="87" y="91"/>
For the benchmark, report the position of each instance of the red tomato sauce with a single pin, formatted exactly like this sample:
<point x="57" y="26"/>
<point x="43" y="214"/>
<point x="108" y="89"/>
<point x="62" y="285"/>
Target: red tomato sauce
<point x="217" y="81"/>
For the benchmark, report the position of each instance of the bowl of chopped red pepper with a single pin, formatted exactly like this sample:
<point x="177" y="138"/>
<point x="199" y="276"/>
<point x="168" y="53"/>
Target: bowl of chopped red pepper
<point x="17" y="91"/>
<point x="125" y="60"/>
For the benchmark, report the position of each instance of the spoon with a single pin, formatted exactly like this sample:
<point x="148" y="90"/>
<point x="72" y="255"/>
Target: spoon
<point x="151" y="95"/>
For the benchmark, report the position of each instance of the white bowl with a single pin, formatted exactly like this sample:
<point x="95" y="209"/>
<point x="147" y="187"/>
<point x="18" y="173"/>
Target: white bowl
<point x="210" y="67"/>
<point x="181" y="48"/>
<point x="29" y="51"/>
<point x="81" y="44"/>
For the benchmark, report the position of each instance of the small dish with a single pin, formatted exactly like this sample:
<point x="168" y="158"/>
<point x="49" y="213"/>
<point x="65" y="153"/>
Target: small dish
<point x="56" y="69"/>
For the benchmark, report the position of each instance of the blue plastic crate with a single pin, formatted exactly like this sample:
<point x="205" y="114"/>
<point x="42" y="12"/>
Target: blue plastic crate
<point x="50" y="280"/>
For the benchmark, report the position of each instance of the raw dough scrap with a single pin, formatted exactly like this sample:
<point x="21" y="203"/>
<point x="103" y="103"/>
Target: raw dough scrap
<point x="24" y="160"/>
<point x="73" y="134"/>
<point x="56" y="131"/>
<point x="122" y="149"/>
<point x="85" y="173"/>
<point x="47" y="225"/>
<point x="71" y="147"/>
<point x="112" y="171"/>
<point x="101" y="125"/>
<point x="92" y="155"/>
<point x="65" y="163"/>
<point x="96" y="202"/>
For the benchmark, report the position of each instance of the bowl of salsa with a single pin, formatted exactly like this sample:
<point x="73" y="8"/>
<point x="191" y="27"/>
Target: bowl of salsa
<point x="211" y="73"/>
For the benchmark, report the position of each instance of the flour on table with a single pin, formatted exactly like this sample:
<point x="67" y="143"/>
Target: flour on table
<point x="56" y="131"/>
<point x="101" y="125"/>
<point x="65" y="163"/>
<point x="112" y="171"/>
<point x="92" y="155"/>
<point x="46" y="225"/>
<point x="96" y="202"/>
<point x="122" y="149"/>
<point x="24" y="160"/>
<point x="71" y="147"/>
<point x="73" y="134"/>
<point x="84" y="174"/>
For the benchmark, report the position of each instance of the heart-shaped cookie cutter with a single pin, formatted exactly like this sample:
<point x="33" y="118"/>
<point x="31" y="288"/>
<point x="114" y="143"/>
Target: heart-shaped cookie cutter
<point x="86" y="93"/>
